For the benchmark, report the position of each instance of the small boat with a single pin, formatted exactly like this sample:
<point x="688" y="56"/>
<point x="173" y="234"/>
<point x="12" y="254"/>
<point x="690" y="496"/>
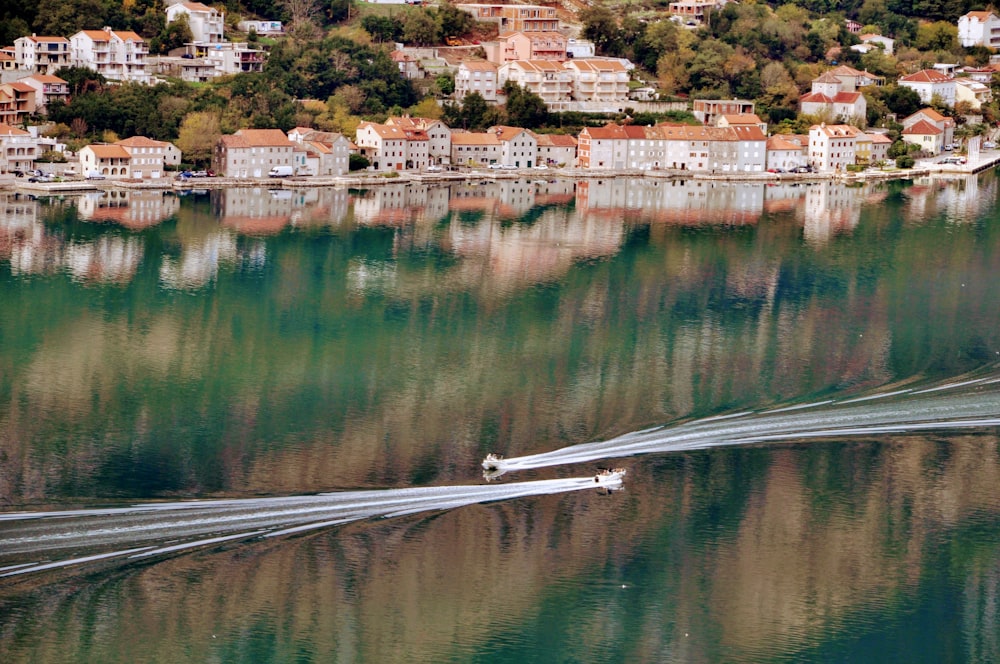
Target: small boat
<point x="608" y="480"/>
<point x="492" y="462"/>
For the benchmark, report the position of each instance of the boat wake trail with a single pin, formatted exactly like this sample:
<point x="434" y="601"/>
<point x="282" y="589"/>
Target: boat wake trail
<point x="965" y="404"/>
<point x="30" y="540"/>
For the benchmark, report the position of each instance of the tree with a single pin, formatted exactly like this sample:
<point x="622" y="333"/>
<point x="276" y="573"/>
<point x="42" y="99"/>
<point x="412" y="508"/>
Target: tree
<point x="382" y="28"/>
<point x="198" y="135"/>
<point x="937" y="36"/>
<point x="174" y="35"/>
<point x="420" y="28"/>
<point x="524" y="108"/>
<point x="601" y="27"/>
<point x="445" y="83"/>
<point x="901" y="100"/>
<point x="357" y="162"/>
<point x="452" y="21"/>
<point x="338" y="11"/>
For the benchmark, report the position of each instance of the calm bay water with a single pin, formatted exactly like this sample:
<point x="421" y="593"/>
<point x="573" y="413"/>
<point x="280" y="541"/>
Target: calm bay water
<point x="248" y="344"/>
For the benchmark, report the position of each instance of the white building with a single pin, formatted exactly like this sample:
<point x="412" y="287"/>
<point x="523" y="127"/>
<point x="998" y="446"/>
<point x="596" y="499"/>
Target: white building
<point x="556" y="149"/>
<point x="18" y="150"/>
<point x="942" y="122"/>
<point x="207" y="24"/>
<point x="117" y="55"/>
<point x="929" y="83"/>
<point x="111" y="161"/>
<point x="477" y="76"/>
<point x="41" y="55"/>
<point x="785" y="153"/>
<point x="228" y="57"/>
<point x="518" y="147"/>
<point x="979" y="29"/>
<point x="266" y="28"/>
<point x="831" y="147"/>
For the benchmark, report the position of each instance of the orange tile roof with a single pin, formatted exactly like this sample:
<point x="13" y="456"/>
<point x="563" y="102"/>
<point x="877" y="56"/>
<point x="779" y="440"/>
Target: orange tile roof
<point x="140" y="142"/>
<point x="926" y="76"/>
<point x="474" y="138"/>
<point x="7" y="130"/>
<point x="109" y="151"/>
<point x="779" y="142"/>
<point x="264" y="137"/>
<point x="922" y="128"/>
<point x="45" y="78"/>
<point x="555" y="140"/>
<point x="479" y="65"/>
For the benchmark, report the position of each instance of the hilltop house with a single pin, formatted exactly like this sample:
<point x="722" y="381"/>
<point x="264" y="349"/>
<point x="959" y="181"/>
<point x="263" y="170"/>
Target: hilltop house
<point x="829" y="99"/>
<point x="117" y="55"/>
<point x="477" y="76"/>
<point x="981" y="28"/>
<point x="929" y="83"/>
<point x="207" y="24"/>
<point x="41" y="55"/>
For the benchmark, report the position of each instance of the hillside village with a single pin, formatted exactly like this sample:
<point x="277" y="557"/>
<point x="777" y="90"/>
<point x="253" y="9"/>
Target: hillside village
<point x="534" y="64"/>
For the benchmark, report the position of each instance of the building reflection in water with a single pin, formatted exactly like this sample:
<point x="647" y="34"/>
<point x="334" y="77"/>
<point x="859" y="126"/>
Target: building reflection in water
<point x="518" y="231"/>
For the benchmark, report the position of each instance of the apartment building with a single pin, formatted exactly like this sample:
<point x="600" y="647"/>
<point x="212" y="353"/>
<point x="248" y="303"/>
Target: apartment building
<point x="207" y="24"/>
<point x="117" y="55"/>
<point x="41" y="55"/>
<point x="546" y="78"/>
<point x="477" y="76"/>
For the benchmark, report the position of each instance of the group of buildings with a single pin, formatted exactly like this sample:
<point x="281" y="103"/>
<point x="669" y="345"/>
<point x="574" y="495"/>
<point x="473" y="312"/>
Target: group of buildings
<point x="123" y="55"/>
<point x="732" y="139"/>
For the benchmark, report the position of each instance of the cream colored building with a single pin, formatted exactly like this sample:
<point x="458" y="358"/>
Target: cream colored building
<point x="111" y="161"/>
<point x="207" y="23"/>
<point x="597" y="79"/>
<point x="476" y="149"/>
<point x="546" y="78"/>
<point x="147" y="156"/>
<point x="41" y="55"/>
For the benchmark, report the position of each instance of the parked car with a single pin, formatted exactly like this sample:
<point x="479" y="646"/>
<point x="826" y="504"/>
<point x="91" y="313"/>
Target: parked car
<point x="281" y="172"/>
<point x="434" y="168"/>
<point x="496" y="167"/>
<point x="42" y="177"/>
<point x="989" y="145"/>
<point x="95" y="175"/>
<point x="802" y="169"/>
<point x="199" y="174"/>
<point x="541" y="167"/>
<point x="509" y="167"/>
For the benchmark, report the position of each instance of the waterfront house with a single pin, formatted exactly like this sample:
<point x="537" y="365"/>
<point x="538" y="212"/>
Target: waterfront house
<point x="252" y="153"/>
<point x="518" y="147"/>
<point x="330" y="151"/>
<point x="148" y="157"/>
<point x="18" y="150"/>
<point x="786" y="152"/>
<point x="382" y="145"/>
<point x="111" y="161"/>
<point x="438" y="135"/>
<point x="602" y="147"/>
<point x="474" y="148"/>
<point x="555" y="149"/>
<point x="831" y="147"/>
<point x="942" y="122"/>
<point x="929" y="137"/>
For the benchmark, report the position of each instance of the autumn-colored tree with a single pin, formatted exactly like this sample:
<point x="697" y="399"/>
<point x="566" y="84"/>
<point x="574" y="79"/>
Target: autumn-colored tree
<point x="198" y="135"/>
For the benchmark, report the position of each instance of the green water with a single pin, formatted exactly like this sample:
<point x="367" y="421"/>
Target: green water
<point x="255" y="343"/>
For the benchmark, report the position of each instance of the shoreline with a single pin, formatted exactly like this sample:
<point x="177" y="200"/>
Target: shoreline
<point x="405" y="178"/>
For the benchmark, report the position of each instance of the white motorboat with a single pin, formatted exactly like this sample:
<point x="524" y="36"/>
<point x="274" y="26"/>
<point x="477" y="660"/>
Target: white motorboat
<point x="610" y="479"/>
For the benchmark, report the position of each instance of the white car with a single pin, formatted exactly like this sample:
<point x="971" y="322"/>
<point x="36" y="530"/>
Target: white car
<point x="541" y="167"/>
<point x="989" y="145"/>
<point x="434" y="168"/>
<point x="94" y="175"/>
